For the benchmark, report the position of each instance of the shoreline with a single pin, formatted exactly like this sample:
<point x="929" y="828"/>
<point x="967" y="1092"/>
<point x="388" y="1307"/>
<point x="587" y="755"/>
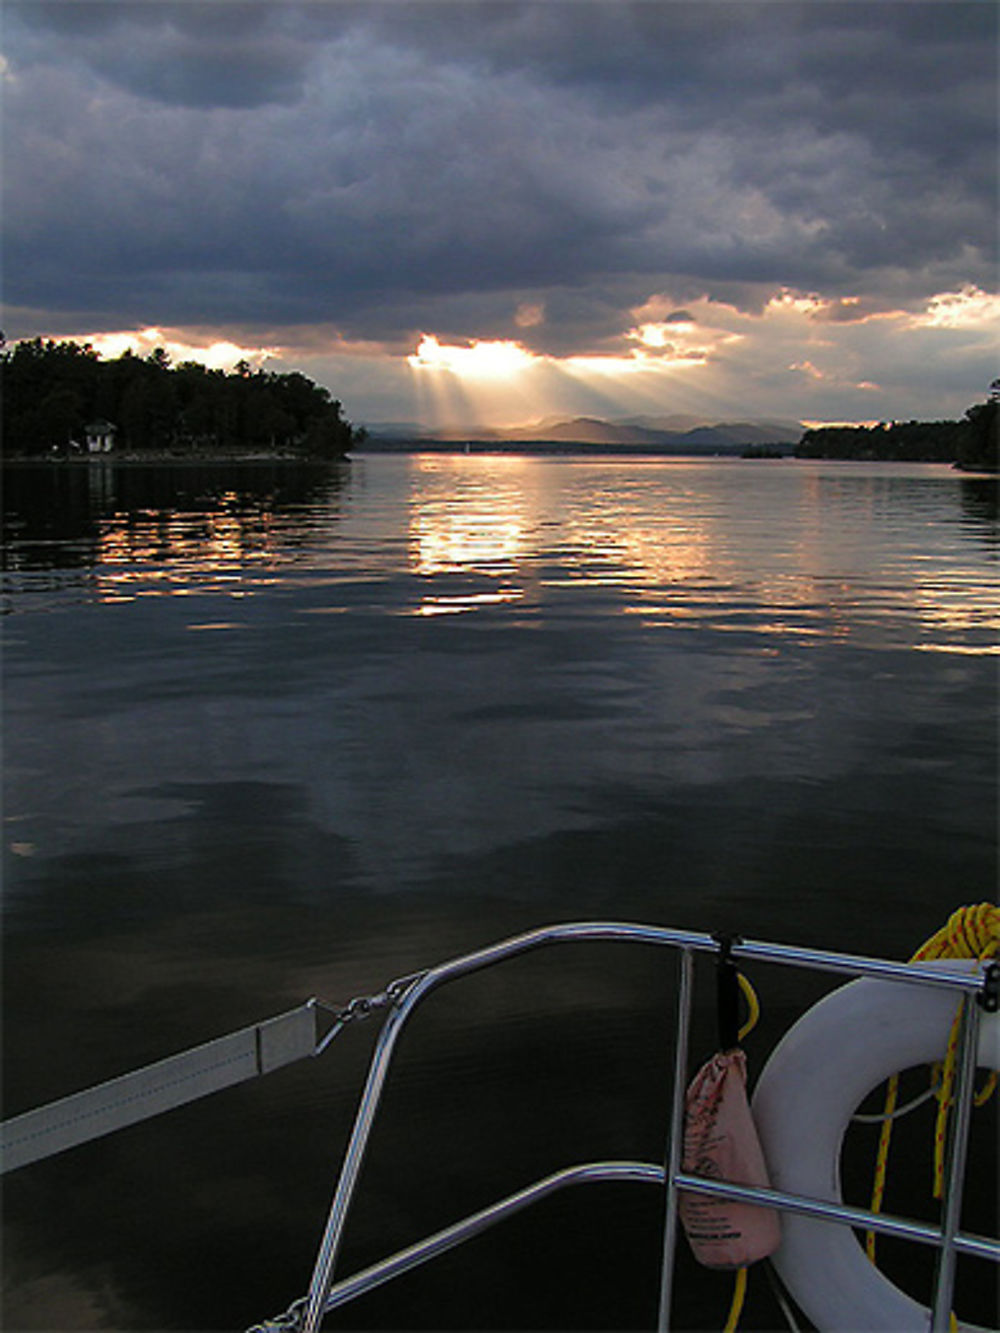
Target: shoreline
<point x="250" y="459"/>
<point x="159" y="459"/>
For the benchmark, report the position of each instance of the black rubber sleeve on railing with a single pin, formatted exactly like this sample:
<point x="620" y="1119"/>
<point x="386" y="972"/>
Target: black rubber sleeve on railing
<point x="989" y="997"/>
<point x="727" y="991"/>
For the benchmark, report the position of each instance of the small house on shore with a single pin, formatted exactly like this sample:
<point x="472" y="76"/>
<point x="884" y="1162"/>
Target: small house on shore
<point x="100" y="436"/>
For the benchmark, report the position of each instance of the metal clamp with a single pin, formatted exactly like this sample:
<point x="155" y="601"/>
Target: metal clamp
<point x="289" y="1322"/>
<point x="363" y="1006"/>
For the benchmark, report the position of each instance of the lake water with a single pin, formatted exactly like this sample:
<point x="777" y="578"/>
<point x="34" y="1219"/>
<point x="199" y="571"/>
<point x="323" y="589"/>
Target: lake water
<point x="275" y="731"/>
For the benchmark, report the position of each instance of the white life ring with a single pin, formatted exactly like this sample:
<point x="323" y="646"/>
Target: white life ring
<point x="820" y="1072"/>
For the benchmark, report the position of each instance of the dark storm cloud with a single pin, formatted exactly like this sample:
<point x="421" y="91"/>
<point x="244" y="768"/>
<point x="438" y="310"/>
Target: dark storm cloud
<point x="398" y="166"/>
<point x="200" y="55"/>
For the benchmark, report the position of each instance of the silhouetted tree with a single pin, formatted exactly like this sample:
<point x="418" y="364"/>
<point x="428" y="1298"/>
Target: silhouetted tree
<point x="979" y="448"/>
<point x="971" y="442"/>
<point x="51" y="390"/>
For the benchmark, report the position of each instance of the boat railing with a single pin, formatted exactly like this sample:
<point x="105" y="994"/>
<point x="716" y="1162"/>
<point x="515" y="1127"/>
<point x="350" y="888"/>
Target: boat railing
<point x="267" y="1046"/>
<point x="324" y="1295"/>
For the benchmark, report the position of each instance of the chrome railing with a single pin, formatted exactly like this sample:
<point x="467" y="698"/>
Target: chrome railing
<point x="974" y="989"/>
<point x="270" y="1045"/>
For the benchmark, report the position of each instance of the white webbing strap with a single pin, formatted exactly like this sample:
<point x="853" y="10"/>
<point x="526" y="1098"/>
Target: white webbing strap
<point x="158" y="1087"/>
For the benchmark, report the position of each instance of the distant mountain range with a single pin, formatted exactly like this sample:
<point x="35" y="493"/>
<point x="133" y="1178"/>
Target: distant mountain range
<point x="676" y="433"/>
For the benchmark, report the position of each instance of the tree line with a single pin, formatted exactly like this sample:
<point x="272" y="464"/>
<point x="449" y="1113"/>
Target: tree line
<point x="53" y="390"/>
<point x="971" y="443"/>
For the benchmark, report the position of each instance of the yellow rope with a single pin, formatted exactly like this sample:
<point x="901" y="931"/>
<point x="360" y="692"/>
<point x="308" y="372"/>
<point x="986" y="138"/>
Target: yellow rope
<point x="753" y="1006"/>
<point x="989" y="1087"/>
<point x="740" y="1283"/>
<point x="739" y="1295"/>
<point x="970" y="932"/>
<point x="882" y="1159"/>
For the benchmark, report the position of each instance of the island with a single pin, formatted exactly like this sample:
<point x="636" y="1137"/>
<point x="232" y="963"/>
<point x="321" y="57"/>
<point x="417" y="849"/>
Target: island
<point x="63" y="400"/>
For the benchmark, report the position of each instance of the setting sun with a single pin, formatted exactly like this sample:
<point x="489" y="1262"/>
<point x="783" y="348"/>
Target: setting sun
<point x="479" y="360"/>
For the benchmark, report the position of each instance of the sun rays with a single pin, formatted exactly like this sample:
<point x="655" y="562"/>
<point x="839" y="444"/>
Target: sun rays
<point x="480" y="360"/>
<point x="797" y="355"/>
<point x="502" y="383"/>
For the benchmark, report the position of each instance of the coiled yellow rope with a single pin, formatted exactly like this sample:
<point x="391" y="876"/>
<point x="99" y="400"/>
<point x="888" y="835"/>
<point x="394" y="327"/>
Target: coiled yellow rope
<point x="970" y="932"/>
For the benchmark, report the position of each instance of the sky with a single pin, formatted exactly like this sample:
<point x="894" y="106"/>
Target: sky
<point x="501" y="212"/>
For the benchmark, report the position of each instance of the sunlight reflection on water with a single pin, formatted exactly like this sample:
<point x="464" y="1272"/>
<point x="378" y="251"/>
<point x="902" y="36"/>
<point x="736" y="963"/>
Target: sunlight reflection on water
<point x="279" y="732"/>
<point x="805" y="550"/>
